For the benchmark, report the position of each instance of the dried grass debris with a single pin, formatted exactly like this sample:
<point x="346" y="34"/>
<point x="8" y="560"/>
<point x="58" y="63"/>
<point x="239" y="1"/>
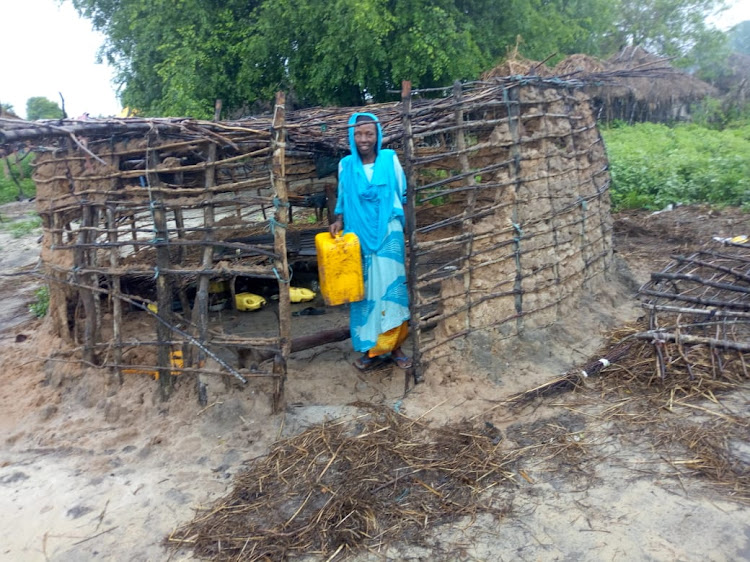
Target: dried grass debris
<point x="352" y="484"/>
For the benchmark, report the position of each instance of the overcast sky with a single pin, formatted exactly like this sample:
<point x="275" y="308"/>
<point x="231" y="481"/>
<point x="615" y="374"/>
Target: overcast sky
<point x="48" y="49"/>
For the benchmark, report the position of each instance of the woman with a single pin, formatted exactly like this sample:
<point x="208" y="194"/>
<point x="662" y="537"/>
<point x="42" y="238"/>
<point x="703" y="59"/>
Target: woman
<point x="371" y="197"/>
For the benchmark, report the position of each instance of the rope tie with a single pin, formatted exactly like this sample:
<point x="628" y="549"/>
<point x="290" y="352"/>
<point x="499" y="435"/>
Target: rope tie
<point x="273" y="223"/>
<point x="519" y="232"/>
<point x="285" y="281"/>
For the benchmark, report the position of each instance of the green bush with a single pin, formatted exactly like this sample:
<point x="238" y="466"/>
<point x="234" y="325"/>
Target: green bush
<point x="21" y="171"/>
<point x="40" y="306"/>
<point x="654" y="165"/>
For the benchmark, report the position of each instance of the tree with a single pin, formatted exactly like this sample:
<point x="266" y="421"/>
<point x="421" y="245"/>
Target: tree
<point x="739" y="37"/>
<point x="42" y="108"/>
<point x="670" y="28"/>
<point x="176" y="57"/>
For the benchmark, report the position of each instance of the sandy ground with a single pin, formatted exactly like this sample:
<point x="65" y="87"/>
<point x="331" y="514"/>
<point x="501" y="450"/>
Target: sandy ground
<point x="90" y="472"/>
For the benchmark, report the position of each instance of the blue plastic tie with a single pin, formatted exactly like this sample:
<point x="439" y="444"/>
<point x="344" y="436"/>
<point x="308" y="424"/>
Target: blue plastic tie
<point x="273" y="223"/>
<point x="287" y="281"/>
<point x="156" y="273"/>
<point x="279" y="203"/>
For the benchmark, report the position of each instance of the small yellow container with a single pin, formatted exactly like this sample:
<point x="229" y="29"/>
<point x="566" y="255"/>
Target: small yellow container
<point x="300" y="294"/>
<point x="340" y="268"/>
<point x="248" y="301"/>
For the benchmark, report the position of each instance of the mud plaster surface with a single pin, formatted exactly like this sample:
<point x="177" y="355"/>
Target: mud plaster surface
<point x="90" y="472"/>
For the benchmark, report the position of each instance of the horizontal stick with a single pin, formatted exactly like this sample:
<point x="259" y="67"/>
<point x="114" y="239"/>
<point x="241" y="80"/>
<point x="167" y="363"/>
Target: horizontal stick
<point x="710" y="265"/>
<point x="656" y="335"/>
<point x="698" y="311"/>
<point x="700" y="280"/>
<point x="697" y="300"/>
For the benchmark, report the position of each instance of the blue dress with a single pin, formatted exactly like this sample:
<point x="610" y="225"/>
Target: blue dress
<point x="371" y="199"/>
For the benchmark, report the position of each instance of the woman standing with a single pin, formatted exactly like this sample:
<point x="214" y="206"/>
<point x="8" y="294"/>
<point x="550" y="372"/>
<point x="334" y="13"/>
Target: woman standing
<point x="371" y="197"/>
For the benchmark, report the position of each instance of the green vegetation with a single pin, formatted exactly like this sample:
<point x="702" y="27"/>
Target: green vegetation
<point x="655" y="165"/>
<point x="41" y="108"/>
<point x="40" y="306"/>
<point x="22" y="228"/>
<point x="177" y="58"/>
<point x="15" y="178"/>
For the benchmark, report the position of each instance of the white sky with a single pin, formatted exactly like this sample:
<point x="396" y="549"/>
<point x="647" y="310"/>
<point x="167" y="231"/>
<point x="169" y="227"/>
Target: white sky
<point x="48" y="49"/>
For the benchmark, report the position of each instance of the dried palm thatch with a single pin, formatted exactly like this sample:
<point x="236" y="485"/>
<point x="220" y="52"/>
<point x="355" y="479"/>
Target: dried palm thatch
<point x="350" y="485"/>
<point x="515" y="65"/>
<point x="579" y="64"/>
<point x="664" y="95"/>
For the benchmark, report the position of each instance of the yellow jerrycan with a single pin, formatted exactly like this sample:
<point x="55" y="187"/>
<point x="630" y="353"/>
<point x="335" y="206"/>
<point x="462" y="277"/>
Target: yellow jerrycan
<point x="340" y="268"/>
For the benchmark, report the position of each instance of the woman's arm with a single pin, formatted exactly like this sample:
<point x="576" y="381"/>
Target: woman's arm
<point x="336" y="226"/>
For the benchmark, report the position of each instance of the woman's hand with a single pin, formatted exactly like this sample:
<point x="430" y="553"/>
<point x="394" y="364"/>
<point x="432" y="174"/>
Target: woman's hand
<point x="336" y="227"/>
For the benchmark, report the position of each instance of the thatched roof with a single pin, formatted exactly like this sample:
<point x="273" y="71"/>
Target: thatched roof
<point x="632" y="72"/>
<point x="665" y="84"/>
<point x="579" y="65"/>
<point x="517" y="66"/>
<point x="5" y="114"/>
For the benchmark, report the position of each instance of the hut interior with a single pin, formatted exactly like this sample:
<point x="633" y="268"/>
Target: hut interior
<point x="153" y="228"/>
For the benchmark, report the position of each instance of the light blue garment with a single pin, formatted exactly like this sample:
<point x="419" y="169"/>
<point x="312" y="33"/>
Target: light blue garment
<point x="367" y="200"/>
<point x="371" y="198"/>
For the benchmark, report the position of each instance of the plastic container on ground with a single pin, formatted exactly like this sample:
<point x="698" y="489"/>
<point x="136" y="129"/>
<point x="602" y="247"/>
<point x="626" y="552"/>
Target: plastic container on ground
<point x="248" y="301"/>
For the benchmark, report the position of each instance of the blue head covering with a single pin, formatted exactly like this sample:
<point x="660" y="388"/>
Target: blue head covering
<point x="368" y="205"/>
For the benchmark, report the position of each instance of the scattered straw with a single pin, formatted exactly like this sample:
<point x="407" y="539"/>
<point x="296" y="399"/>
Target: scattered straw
<point x="342" y="487"/>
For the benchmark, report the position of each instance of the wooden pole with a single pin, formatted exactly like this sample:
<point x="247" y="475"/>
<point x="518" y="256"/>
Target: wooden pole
<point x="200" y="307"/>
<point x="86" y="295"/>
<point x="303" y="343"/>
<point x="471" y="199"/>
<point x="411" y="230"/>
<point x="163" y="285"/>
<point x="514" y="125"/>
<point x="278" y="181"/>
<point x="116" y="289"/>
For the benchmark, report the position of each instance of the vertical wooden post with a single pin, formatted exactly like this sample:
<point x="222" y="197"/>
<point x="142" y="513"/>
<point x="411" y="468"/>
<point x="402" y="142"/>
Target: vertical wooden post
<point x="411" y="230"/>
<point x="93" y="260"/>
<point x="278" y="180"/>
<point x="116" y="290"/>
<point x="200" y="307"/>
<point x="179" y="221"/>
<point x="86" y="295"/>
<point x="133" y="233"/>
<point x="468" y="224"/>
<point x="512" y="102"/>
<point x="163" y="285"/>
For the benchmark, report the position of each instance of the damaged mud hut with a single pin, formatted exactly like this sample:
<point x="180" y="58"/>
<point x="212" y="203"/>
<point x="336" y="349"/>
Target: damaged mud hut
<point x="153" y="226"/>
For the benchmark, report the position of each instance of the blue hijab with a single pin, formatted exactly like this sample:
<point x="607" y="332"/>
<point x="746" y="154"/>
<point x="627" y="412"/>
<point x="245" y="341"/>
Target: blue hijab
<point x="368" y="205"/>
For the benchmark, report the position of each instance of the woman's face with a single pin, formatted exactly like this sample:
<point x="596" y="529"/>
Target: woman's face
<point x="365" y="138"/>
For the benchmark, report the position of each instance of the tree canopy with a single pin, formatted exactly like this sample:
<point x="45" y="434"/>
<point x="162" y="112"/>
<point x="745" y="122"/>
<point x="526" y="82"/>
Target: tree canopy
<point x="175" y="57"/>
<point x="739" y="37"/>
<point x="42" y="108"/>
